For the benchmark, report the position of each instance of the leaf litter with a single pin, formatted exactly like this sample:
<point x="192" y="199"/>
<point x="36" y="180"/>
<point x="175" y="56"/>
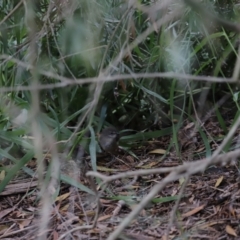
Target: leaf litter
<point x="208" y="208"/>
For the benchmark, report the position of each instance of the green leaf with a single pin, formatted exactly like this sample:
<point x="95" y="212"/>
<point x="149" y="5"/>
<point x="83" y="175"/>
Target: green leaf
<point x="14" y="170"/>
<point x="76" y="184"/>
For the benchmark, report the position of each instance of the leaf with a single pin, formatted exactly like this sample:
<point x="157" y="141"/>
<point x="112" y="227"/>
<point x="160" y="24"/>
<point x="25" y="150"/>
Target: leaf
<point x="10" y="175"/>
<point x="63" y="196"/>
<point x="200" y="150"/>
<point x="194" y="211"/>
<point x="105" y="169"/>
<point x="146" y="135"/>
<point x="5" y="212"/>
<point x="74" y="183"/>
<point x="104" y="217"/>
<point x="219" y="181"/>
<point x="181" y="180"/>
<point x="2" y="175"/>
<point x="158" y="151"/>
<point x="230" y="231"/>
<point x="165" y="199"/>
<point x="92" y="149"/>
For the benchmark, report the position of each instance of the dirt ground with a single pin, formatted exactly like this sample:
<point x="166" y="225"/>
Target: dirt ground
<point x="203" y="206"/>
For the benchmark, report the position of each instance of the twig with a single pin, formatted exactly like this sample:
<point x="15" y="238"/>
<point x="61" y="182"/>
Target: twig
<point x="173" y="212"/>
<point x="157" y="188"/>
<point x="75" y="229"/>
<point x="16" y="232"/>
<point x="10" y="14"/>
<point x="182" y="171"/>
<point x="182" y="168"/>
<point x="68" y="81"/>
<point x="185" y="170"/>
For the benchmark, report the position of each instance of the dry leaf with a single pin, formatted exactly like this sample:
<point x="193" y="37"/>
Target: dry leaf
<point x="174" y="192"/>
<point x="5" y="212"/>
<point x="65" y="208"/>
<point x="120" y="204"/>
<point x="158" y="151"/>
<point x="232" y="211"/>
<point x="209" y="224"/>
<point x="200" y="149"/>
<point x="164" y="237"/>
<point x="219" y="181"/>
<point x="191" y="199"/>
<point x="104" y="217"/>
<point x="192" y="212"/>
<point x="105" y="169"/>
<point x="130" y="159"/>
<point x="189" y="125"/>
<point x="149" y="166"/>
<point x="62" y="197"/>
<point x="24" y="223"/>
<point x="3" y="227"/>
<point x="123" y="85"/>
<point x="230" y="231"/>
<point x="55" y="235"/>
<point x="181" y="180"/>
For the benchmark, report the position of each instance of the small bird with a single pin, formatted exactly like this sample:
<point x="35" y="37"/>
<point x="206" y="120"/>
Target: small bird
<point x="108" y="139"/>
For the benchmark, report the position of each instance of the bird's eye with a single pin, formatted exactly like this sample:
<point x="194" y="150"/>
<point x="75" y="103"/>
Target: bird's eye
<point x="114" y="133"/>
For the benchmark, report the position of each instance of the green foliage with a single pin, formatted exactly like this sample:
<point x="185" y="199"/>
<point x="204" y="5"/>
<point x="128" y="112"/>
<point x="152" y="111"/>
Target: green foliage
<point x="63" y="42"/>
